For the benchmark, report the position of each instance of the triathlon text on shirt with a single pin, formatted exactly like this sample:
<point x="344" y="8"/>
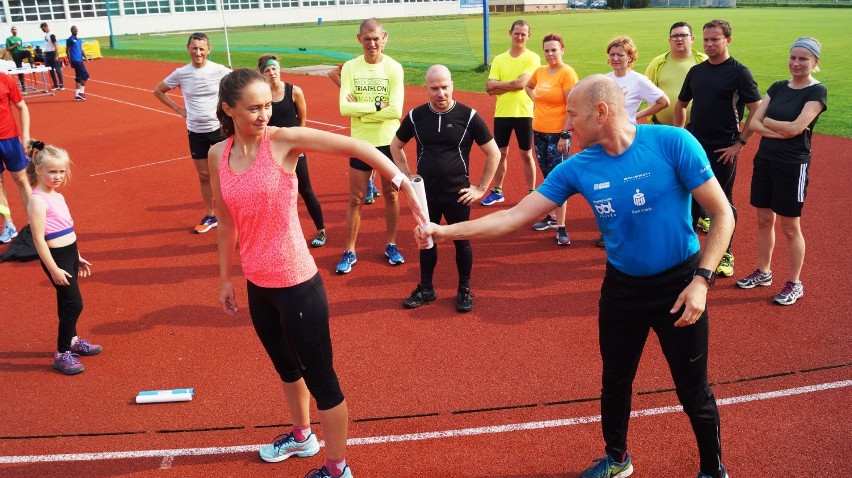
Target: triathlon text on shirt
<point x="368" y="90"/>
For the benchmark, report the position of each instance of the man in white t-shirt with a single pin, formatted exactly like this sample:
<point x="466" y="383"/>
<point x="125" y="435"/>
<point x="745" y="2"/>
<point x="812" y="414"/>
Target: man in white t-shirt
<point x="199" y="84"/>
<point x="50" y="59"/>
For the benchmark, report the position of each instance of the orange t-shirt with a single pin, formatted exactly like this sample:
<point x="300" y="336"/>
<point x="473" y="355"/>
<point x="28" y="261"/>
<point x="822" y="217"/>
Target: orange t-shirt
<point x="549" y="97"/>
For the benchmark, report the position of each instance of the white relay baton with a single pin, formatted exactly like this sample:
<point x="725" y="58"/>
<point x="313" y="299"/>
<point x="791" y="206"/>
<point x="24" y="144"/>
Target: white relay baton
<point x="164" y="396"/>
<point x="420" y="190"/>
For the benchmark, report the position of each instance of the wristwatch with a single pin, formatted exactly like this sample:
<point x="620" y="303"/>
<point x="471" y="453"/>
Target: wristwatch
<point x="707" y="274"/>
<point x="739" y="139"/>
<point x="564" y="134"/>
<point x="378" y="105"/>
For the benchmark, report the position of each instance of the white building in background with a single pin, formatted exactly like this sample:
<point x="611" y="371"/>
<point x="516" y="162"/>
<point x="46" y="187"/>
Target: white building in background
<point x="152" y="16"/>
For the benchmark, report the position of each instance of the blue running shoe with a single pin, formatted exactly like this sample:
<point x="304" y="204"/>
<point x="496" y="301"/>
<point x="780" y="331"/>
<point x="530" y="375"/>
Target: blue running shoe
<point x="369" y="197"/>
<point x="324" y="473"/>
<point x="493" y="198"/>
<point x="346" y="262"/>
<point x="393" y="255"/>
<point x="723" y="473"/>
<point x="207" y="223"/>
<point x="286" y="446"/>
<point x="9" y="233"/>
<point x="372" y="186"/>
<point x="608" y="468"/>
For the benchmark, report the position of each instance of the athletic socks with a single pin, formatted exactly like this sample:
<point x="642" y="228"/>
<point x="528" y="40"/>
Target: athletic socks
<point x="301" y="433"/>
<point x="335" y="467"/>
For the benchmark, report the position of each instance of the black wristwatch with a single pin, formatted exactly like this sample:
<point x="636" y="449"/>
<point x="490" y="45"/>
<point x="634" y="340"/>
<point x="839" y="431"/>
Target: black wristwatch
<point x="739" y="139"/>
<point x="707" y="274"/>
<point x="564" y="134"/>
<point x="378" y="105"/>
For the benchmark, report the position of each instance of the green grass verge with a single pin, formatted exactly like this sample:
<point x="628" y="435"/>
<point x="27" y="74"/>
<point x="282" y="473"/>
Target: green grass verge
<point x="761" y="40"/>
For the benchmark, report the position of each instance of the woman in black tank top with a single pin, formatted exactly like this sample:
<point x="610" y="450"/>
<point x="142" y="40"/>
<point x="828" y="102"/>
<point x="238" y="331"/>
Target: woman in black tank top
<point x="289" y="109"/>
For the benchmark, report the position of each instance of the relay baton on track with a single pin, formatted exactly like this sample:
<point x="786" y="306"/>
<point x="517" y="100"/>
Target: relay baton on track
<point x="420" y="189"/>
<point x="163" y="396"/>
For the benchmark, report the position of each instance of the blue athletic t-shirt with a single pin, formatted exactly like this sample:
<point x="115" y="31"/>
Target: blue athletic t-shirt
<point x="640" y="198"/>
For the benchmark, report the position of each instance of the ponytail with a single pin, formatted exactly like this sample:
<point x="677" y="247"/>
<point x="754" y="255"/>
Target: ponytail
<point x="41" y="154"/>
<point x="230" y="90"/>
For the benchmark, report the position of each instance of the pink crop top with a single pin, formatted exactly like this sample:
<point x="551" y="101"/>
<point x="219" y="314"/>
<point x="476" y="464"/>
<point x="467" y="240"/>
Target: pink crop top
<point x="57" y="221"/>
<point x="262" y="201"/>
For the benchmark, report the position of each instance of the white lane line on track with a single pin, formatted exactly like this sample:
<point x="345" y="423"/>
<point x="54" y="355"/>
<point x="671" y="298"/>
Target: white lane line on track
<point x="139" y="166"/>
<point x="330" y="125"/>
<point x="123" y="455"/>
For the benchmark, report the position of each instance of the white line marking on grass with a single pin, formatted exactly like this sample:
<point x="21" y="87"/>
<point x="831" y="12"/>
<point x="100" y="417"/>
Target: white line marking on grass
<point x="139" y="166"/>
<point x="123" y="455"/>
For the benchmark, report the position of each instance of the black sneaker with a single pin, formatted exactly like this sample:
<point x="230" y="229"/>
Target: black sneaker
<point x="464" y="301"/>
<point x="419" y="296"/>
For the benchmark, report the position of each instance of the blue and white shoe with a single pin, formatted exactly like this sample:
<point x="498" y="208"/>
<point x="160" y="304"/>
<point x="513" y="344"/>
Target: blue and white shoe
<point x="393" y="255"/>
<point x="346" y="262"/>
<point x="493" y="198"/>
<point x="606" y="467"/>
<point x="286" y="446"/>
<point x="9" y="233"/>
<point x="369" y="196"/>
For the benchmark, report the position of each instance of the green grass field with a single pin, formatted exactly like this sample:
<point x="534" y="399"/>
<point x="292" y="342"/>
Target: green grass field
<point x="761" y="40"/>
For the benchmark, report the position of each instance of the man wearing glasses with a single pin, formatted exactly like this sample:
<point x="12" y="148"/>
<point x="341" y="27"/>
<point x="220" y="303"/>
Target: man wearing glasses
<point x="668" y="70"/>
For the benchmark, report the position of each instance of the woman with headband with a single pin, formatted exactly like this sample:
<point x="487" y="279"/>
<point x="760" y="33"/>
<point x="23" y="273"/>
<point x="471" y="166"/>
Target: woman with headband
<point x="785" y="122"/>
<point x="289" y="109"/>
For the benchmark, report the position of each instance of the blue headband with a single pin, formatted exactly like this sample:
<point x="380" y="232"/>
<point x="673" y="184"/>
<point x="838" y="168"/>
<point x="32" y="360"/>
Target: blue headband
<point x="808" y="44"/>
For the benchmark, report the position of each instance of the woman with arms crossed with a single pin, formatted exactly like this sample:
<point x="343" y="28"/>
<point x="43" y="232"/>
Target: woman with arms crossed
<point x="255" y="187"/>
<point x="785" y="121"/>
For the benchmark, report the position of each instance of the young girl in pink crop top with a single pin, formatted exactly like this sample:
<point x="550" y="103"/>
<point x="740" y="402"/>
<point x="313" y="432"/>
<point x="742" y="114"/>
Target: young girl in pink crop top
<point x="56" y="243"/>
<point x="255" y="188"/>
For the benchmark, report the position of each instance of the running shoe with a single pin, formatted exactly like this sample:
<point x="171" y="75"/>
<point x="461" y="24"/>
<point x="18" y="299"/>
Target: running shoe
<point x="756" y="278"/>
<point x="562" y="237"/>
<point x="547" y="223"/>
<point x="346" y="262"/>
<point x="493" y="198"/>
<point x="207" y="223"/>
<point x="286" y="446"/>
<point x="85" y="348"/>
<point x="723" y="473"/>
<point x="319" y="240"/>
<point x="393" y="255"/>
<point x="369" y="197"/>
<point x="703" y="223"/>
<point x="66" y="363"/>
<point x="726" y="265"/>
<point x="608" y="468"/>
<point x="9" y="233"/>
<point x="600" y="242"/>
<point x="419" y="296"/>
<point x="324" y="473"/>
<point x="464" y="300"/>
<point x="80" y="97"/>
<point x="372" y="186"/>
<point x="791" y="292"/>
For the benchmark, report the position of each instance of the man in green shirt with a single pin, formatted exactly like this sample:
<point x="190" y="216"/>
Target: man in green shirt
<point x="15" y="46"/>
<point x="668" y="70"/>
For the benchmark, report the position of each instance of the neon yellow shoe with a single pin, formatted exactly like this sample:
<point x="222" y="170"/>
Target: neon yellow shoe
<point x="726" y="266"/>
<point x="703" y="223"/>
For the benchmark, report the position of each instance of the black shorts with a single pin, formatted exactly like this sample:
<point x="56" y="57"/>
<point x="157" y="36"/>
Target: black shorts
<point x="356" y="163"/>
<point x="199" y="143"/>
<point x="81" y="74"/>
<point x="522" y="127"/>
<point x="781" y="187"/>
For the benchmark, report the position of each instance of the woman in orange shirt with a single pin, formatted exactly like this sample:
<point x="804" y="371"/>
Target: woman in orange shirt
<point x="548" y="87"/>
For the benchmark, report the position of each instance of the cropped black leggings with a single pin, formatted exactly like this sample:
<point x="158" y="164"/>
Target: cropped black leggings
<point x="307" y="192"/>
<point x="69" y="302"/>
<point x="450" y="209"/>
<point x="292" y="324"/>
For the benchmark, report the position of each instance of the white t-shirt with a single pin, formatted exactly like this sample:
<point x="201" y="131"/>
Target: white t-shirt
<point x="49" y="39"/>
<point x="200" y="89"/>
<point x="637" y="88"/>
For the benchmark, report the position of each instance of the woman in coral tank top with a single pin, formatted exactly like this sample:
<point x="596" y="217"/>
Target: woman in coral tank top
<point x="255" y="188"/>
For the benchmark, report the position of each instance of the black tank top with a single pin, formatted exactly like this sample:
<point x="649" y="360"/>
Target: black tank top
<point x="284" y="113"/>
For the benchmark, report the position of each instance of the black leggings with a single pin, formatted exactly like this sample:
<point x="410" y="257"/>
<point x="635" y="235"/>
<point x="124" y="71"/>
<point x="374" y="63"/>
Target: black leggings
<point x="307" y="192"/>
<point x="292" y="324"/>
<point x="19" y="62"/>
<point x="725" y="174"/>
<point x="453" y="211"/>
<point x="629" y="308"/>
<point x="69" y="302"/>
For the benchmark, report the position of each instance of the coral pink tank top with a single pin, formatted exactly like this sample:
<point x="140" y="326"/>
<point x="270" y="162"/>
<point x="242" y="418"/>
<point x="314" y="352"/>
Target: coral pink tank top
<point x="57" y="221"/>
<point x="262" y="201"/>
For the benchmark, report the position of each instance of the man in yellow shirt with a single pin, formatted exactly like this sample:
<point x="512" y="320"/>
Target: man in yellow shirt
<point x="509" y="74"/>
<point x="371" y="94"/>
<point x="668" y="70"/>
